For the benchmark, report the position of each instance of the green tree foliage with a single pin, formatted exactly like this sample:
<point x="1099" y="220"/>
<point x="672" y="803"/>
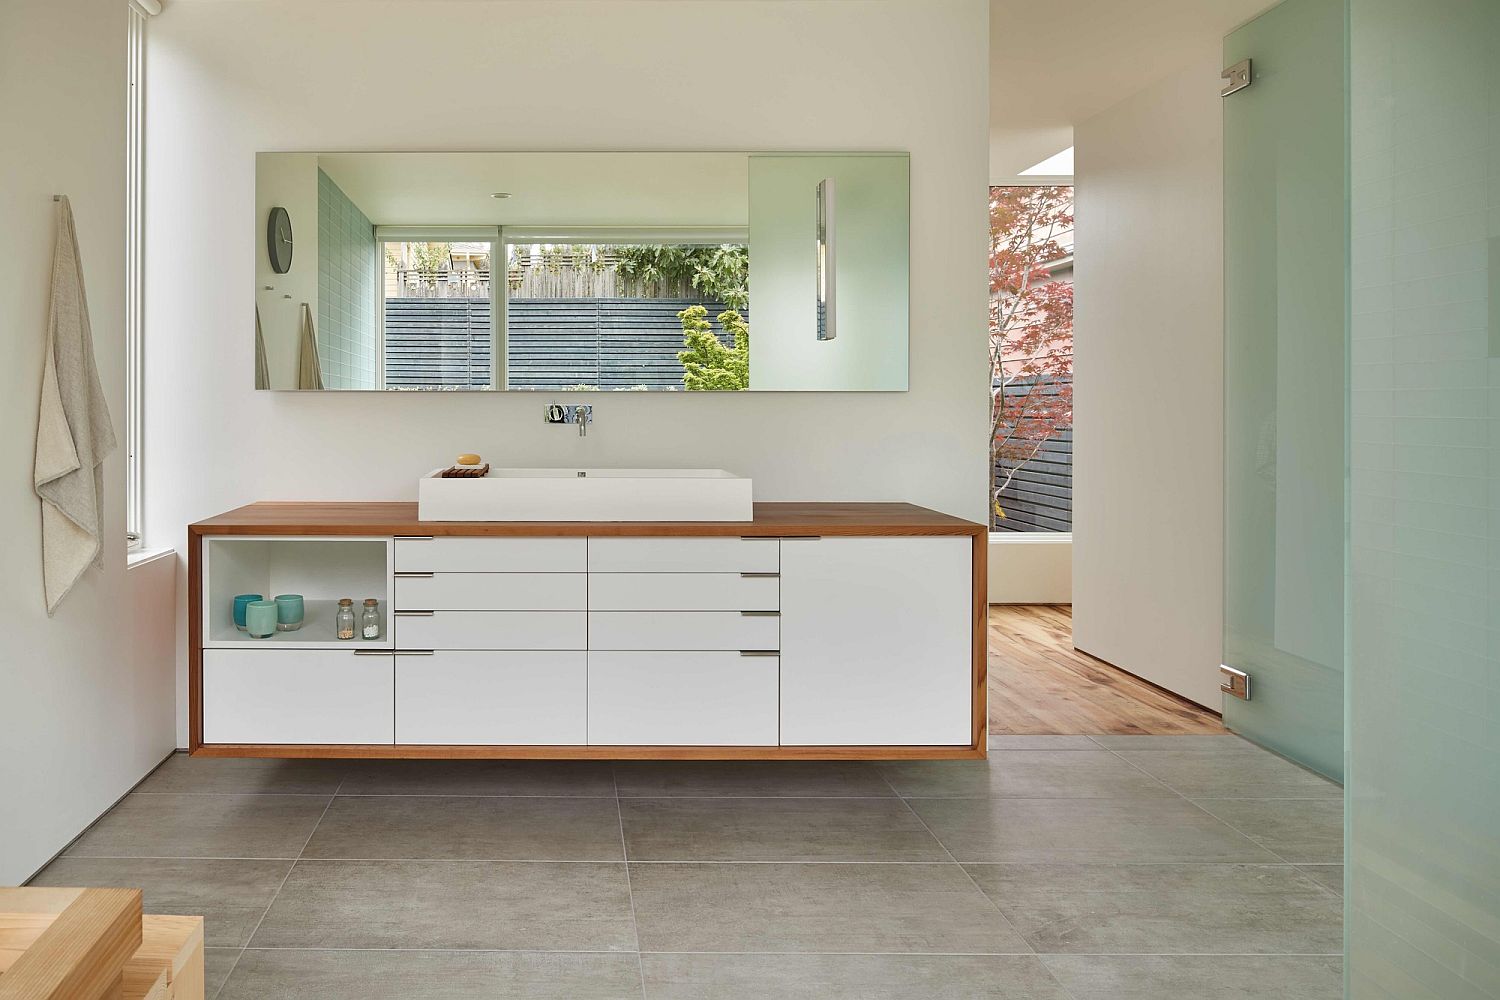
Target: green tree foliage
<point x="720" y="273"/>
<point x="709" y="365"/>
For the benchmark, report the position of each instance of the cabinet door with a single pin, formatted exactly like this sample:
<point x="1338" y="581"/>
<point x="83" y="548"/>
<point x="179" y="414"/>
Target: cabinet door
<point x="877" y="641"/>
<point x="492" y="698"/>
<point x="297" y="696"/>
<point x="681" y="699"/>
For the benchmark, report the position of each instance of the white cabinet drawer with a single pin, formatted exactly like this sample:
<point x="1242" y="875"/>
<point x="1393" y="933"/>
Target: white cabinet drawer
<point x="682" y="699"/>
<point x="684" y="555"/>
<point x="492" y="630"/>
<point x="491" y="555"/>
<point x="297" y="696"/>
<point x="492" y="592"/>
<point x="492" y="698"/>
<point x="682" y="592"/>
<point x="729" y="630"/>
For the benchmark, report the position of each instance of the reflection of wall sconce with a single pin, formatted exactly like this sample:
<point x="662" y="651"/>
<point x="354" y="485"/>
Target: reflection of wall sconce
<point x="827" y="261"/>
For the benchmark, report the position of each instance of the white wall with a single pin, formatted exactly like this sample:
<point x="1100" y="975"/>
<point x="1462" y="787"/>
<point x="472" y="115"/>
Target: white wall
<point x="290" y="182"/>
<point x="84" y="710"/>
<point x="1031" y="567"/>
<point x="229" y="79"/>
<point x="1148" y="380"/>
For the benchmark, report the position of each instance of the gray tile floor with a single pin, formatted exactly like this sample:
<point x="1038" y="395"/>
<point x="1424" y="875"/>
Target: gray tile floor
<point x="1062" y="868"/>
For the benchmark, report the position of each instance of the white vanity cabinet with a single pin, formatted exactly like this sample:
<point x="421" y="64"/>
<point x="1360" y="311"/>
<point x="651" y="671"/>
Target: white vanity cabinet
<point x="815" y="631"/>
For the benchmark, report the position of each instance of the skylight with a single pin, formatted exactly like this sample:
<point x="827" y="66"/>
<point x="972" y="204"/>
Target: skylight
<point x="1056" y="165"/>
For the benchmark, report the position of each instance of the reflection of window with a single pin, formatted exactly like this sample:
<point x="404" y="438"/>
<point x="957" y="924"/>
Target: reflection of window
<point x="606" y="315"/>
<point x="437" y="309"/>
<point x="1031" y="357"/>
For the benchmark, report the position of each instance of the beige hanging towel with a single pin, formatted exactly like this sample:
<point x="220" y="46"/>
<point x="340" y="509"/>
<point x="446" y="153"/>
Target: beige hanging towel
<point x="309" y="369"/>
<point x="73" y="433"/>
<point x="262" y="370"/>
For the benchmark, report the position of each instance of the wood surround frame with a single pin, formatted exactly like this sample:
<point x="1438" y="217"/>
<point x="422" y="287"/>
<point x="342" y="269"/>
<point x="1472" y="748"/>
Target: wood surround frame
<point x="771" y="520"/>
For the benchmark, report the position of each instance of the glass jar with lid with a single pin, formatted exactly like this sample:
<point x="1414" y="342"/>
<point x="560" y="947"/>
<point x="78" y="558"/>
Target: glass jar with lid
<point x="344" y="620"/>
<point x="369" y="620"/>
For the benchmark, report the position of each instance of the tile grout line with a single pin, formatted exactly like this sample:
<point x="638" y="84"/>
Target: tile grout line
<point x="635" y="927"/>
<point x="225" y="981"/>
<point x="984" y="895"/>
<point x="1228" y="825"/>
<point x="277" y="894"/>
<point x="1254" y="840"/>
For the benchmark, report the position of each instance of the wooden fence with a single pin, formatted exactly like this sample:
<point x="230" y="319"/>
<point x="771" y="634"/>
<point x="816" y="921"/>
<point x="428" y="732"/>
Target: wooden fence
<point x="552" y="343"/>
<point x="1040" y="495"/>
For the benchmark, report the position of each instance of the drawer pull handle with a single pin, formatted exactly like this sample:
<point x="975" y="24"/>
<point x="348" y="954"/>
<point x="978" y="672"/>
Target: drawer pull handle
<point x="414" y="652"/>
<point x="415" y="576"/>
<point x="415" y="614"/>
<point x="759" y="576"/>
<point x="372" y="652"/>
<point x="415" y="538"/>
<point x="760" y="614"/>
<point x="760" y="652"/>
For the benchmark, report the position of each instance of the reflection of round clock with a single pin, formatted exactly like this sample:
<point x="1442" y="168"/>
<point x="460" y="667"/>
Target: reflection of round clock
<point x="279" y="240"/>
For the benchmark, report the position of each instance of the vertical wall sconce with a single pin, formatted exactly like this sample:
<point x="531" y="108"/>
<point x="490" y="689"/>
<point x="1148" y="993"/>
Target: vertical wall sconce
<point x="827" y="258"/>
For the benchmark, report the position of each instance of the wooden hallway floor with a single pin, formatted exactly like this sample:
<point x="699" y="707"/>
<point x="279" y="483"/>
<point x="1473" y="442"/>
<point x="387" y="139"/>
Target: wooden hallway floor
<point x="1039" y="685"/>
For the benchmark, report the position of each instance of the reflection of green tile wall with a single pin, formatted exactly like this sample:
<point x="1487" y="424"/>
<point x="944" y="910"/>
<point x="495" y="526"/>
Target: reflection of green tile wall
<point x="346" y="290"/>
<point x="1424" y="559"/>
<point x="1284" y="259"/>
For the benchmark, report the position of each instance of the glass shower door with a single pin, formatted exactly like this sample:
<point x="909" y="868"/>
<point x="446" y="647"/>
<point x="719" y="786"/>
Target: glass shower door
<point x="1424" y="557"/>
<point x="1284" y="411"/>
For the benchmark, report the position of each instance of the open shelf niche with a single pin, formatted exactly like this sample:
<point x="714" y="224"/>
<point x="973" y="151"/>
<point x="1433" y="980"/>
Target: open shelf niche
<point x="322" y="570"/>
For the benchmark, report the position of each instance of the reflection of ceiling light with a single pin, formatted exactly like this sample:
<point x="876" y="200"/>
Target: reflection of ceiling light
<point x="500" y="194"/>
<point x="1056" y="165"/>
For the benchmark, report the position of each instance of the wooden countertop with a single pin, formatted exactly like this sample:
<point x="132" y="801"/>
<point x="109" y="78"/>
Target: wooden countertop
<point x="400" y="518"/>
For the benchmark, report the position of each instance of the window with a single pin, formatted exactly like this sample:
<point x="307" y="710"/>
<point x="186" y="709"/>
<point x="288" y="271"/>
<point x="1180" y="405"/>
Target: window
<point x="1031" y="358"/>
<point x="135" y="160"/>
<point x="437" y="312"/>
<point x="620" y="315"/>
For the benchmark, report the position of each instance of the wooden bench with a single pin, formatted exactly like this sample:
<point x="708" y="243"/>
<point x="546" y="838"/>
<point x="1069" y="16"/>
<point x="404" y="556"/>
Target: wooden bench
<point x="95" y="944"/>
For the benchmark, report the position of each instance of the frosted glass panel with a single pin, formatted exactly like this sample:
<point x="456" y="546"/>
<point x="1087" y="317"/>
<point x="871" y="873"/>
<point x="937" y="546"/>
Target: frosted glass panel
<point x="1424" y="683"/>
<point x="1284" y="254"/>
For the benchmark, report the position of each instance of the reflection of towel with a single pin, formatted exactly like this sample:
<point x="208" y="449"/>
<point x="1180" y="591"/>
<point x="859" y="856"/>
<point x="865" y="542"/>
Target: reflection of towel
<point x="262" y="370"/>
<point x="309" y="370"/>
<point x="73" y="432"/>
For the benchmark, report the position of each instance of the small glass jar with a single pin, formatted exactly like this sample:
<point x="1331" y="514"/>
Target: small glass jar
<point x="344" y="620"/>
<point x="369" y="620"/>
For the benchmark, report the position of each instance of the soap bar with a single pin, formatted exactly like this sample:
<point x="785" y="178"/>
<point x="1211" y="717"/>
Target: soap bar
<point x="468" y="459"/>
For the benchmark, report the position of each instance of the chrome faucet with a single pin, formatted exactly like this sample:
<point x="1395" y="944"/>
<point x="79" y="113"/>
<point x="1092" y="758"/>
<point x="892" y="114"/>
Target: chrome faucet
<point x="578" y="414"/>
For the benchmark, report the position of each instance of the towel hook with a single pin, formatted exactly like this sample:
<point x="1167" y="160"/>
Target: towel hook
<point x="57" y="197"/>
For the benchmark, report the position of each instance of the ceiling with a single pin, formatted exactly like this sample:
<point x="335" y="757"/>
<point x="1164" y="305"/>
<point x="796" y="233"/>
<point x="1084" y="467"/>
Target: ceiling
<point x="1057" y="63"/>
<point x="546" y="189"/>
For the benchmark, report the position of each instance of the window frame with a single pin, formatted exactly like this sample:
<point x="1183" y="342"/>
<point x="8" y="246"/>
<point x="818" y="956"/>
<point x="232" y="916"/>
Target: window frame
<point x="135" y="247"/>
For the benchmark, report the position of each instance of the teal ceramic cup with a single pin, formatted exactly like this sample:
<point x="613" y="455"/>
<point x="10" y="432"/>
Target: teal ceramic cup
<point x="290" y="610"/>
<point x="240" y="600"/>
<point x="260" y="619"/>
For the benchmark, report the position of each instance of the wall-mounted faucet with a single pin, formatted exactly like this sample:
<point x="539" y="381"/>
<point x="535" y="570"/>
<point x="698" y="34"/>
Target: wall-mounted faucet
<point x="579" y="414"/>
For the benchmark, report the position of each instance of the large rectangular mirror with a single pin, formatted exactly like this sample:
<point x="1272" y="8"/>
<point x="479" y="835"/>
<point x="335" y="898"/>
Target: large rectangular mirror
<point x="556" y="272"/>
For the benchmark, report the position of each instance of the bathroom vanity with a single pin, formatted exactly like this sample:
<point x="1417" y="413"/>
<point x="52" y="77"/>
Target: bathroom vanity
<point x="814" y="630"/>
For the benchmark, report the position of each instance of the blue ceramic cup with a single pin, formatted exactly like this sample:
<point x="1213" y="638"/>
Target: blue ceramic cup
<point x="289" y="612"/>
<point x="260" y="619"/>
<point x="240" y="601"/>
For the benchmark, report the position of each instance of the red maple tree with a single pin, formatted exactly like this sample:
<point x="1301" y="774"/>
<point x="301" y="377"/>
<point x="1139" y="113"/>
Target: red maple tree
<point x="1031" y="325"/>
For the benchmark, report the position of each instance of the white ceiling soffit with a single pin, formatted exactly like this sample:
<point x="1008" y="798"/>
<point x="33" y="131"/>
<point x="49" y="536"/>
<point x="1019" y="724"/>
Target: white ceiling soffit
<point x="1055" y="64"/>
<point x="546" y="189"/>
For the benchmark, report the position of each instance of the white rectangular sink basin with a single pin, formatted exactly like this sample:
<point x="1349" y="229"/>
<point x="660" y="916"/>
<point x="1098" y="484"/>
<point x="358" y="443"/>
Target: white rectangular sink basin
<point x="573" y="494"/>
